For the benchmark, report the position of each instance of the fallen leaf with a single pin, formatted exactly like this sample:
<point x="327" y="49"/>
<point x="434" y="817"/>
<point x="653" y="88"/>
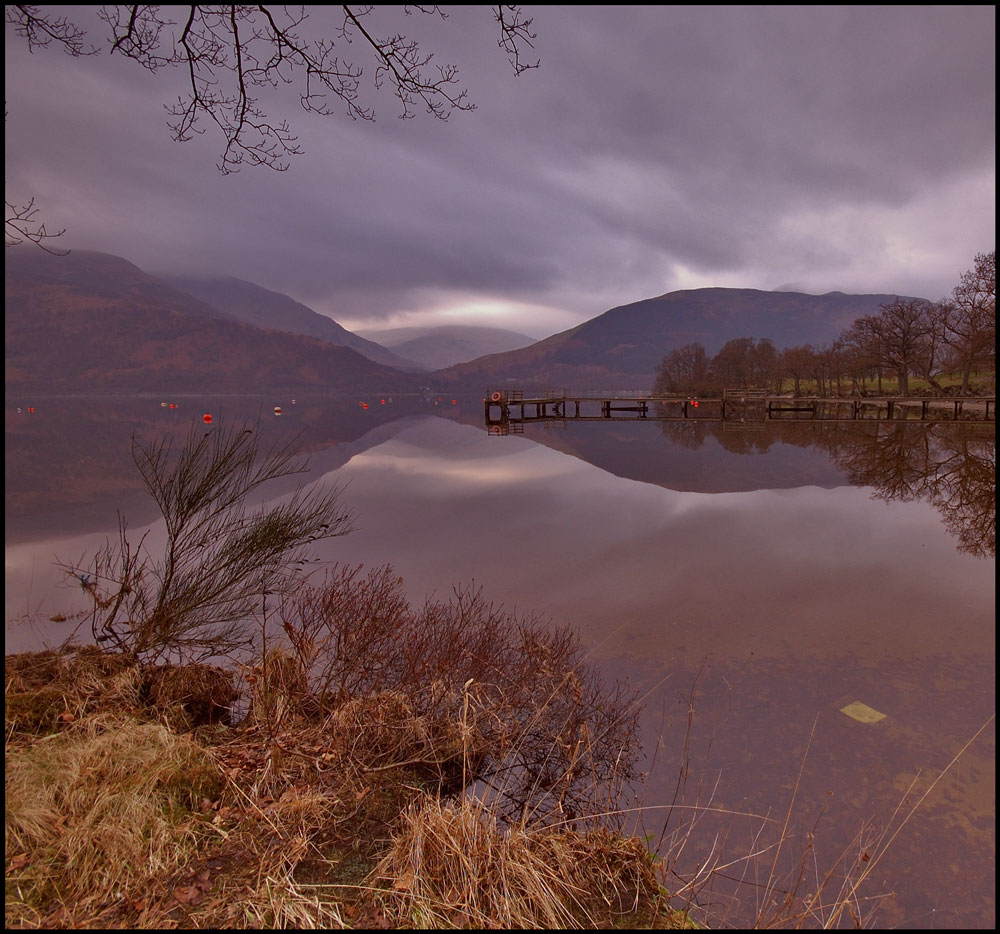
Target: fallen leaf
<point x="66" y="717"/>
<point x="187" y="895"/>
<point x="404" y="882"/>
<point x="20" y="861"/>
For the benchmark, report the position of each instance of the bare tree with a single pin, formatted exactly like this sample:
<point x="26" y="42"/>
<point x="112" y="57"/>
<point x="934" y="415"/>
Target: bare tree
<point x="968" y="322"/>
<point x="764" y="363"/>
<point x="683" y="370"/>
<point x="796" y="362"/>
<point x="221" y="558"/>
<point x="745" y="362"/>
<point x="897" y="337"/>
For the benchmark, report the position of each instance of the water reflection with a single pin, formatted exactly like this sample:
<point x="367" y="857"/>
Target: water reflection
<point x="69" y="463"/>
<point x="953" y="470"/>
<point x="791" y="599"/>
<point x="785" y="573"/>
<point x="952" y="466"/>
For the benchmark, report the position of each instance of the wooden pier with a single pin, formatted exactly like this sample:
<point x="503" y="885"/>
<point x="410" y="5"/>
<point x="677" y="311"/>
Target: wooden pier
<point x="508" y="410"/>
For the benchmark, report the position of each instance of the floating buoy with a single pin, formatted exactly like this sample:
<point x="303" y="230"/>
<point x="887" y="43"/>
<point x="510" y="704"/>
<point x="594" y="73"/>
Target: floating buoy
<point x="207" y="418"/>
<point x="496" y="396"/>
<point x="277" y="410"/>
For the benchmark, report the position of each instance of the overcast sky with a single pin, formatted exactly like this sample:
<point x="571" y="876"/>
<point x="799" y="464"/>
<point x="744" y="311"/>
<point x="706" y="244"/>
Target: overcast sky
<point x="655" y="148"/>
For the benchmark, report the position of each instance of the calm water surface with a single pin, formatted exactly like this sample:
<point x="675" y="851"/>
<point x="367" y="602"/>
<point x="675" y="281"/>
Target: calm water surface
<point x="772" y="576"/>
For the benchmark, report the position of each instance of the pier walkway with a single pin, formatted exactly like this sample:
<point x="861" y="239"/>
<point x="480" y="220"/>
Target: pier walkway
<point x="509" y="410"/>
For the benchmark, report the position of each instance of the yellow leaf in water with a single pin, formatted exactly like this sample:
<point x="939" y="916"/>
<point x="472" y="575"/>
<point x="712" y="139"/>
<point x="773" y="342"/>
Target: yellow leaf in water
<point x="862" y="712"/>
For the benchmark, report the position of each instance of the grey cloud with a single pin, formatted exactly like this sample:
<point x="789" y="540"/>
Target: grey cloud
<point x="738" y="145"/>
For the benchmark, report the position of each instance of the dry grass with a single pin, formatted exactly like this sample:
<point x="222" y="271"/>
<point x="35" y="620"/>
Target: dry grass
<point x="357" y="817"/>
<point x="192" y="695"/>
<point x="93" y="813"/>
<point x="456" y="866"/>
<point x="116" y="819"/>
<point x="363" y="814"/>
<point x="44" y="691"/>
<point x="539" y="724"/>
<point x="132" y="803"/>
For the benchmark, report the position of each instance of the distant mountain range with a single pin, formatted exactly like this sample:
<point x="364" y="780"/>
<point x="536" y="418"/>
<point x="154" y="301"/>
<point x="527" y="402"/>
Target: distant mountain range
<point x="435" y="348"/>
<point x="623" y="347"/>
<point x="262" y="308"/>
<point x="95" y="322"/>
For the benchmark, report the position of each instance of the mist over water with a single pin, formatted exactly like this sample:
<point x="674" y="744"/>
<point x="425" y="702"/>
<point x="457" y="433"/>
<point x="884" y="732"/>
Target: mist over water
<point x="764" y="581"/>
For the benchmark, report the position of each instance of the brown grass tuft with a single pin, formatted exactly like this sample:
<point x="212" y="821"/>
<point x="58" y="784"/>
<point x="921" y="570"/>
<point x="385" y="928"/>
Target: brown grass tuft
<point x="94" y="812"/>
<point x="279" y="689"/>
<point x="194" y="695"/>
<point x="456" y="866"/>
<point x="45" y="691"/>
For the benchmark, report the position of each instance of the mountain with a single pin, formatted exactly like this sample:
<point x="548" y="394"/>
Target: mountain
<point x="438" y="347"/>
<point x="95" y="322"/>
<point x="622" y="348"/>
<point x="254" y="305"/>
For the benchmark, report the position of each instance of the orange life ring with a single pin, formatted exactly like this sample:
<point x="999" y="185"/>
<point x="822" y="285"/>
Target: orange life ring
<point x="496" y="396"/>
<point x="497" y="430"/>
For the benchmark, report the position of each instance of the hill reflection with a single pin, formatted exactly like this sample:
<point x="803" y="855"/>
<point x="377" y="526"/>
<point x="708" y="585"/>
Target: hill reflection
<point x="69" y="462"/>
<point x="950" y="465"/>
<point x="69" y="465"/>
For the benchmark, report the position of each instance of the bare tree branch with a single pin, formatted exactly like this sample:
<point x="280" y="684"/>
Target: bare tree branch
<point x="515" y="33"/>
<point x="20" y="226"/>
<point x="41" y="29"/>
<point x="229" y="51"/>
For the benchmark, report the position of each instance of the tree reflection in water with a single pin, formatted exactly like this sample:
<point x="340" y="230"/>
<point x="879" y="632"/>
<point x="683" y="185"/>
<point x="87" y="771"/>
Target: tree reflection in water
<point x="952" y="466"/>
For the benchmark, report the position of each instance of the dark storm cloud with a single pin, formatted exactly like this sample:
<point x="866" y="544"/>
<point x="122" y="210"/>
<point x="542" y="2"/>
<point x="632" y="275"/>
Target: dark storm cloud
<point x="656" y="148"/>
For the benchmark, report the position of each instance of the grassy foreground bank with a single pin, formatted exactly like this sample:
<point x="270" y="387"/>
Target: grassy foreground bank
<point x="131" y="803"/>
